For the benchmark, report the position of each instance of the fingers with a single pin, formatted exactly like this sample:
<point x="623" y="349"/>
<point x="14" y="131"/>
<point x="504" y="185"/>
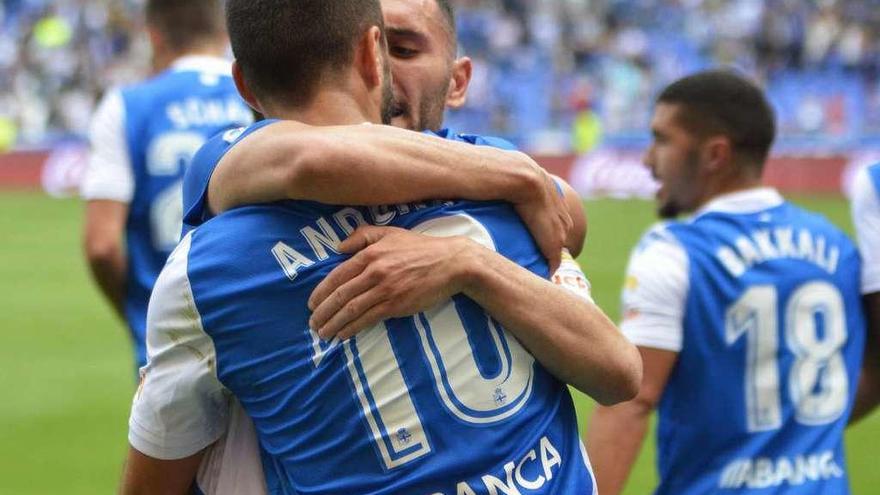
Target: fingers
<point x="365" y="236"/>
<point x="340" y="295"/>
<point x="347" y="308"/>
<point x="554" y="262"/>
<point x="367" y="320"/>
<point x="340" y="275"/>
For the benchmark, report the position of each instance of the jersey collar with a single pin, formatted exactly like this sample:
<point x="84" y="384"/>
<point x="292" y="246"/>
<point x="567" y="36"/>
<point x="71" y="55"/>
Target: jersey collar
<point x="202" y="63"/>
<point x="744" y="202"/>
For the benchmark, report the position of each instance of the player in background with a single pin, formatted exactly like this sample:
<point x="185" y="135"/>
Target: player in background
<point x="866" y="217"/>
<point x="747" y="314"/>
<point x="400" y="442"/>
<point x="142" y="138"/>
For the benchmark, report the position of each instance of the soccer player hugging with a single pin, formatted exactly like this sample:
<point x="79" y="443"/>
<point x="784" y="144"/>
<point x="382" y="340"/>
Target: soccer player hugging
<point x="418" y="348"/>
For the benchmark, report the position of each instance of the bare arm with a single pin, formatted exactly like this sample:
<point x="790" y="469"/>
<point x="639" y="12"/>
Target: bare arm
<point x="148" y="476"/>
<point x="398" y="273"/>
<point x="577" y="235"/>
<point x="868" y="395"/>
<point x="366" y="165"/>
<point x="104" y="249"/>
<point x="571" y="337"/>
<point x="615" y="434"/>
<point x="376" y="165"/>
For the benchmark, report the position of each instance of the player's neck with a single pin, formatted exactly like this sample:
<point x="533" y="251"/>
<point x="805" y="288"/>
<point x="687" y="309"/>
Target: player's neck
<point x="164" y="61"/>
<point x="329" y="106"/>
<point x="730" y="186"/>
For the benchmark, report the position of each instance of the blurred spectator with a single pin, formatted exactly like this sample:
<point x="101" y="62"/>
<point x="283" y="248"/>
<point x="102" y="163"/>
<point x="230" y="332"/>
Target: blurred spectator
<point x="58" y="56"/>
<point x="819" y="60"/>
<point x="8" y="134"/>
<point x="587" y="127"/>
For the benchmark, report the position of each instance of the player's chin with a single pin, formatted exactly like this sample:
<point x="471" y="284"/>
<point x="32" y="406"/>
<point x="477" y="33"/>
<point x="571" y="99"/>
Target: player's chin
<point x="667" y="209"/>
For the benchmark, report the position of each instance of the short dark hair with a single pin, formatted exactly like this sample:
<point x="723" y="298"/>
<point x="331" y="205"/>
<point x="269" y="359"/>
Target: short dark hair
<point x="448" y="11"/>
<point x="185" y="24"/>
<point x="724" y="102"/>
<point x="285" y="47"/>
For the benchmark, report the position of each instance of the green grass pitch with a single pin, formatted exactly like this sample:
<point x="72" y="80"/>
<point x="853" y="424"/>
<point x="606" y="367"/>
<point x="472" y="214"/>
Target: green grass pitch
<point x="65" y="368"/>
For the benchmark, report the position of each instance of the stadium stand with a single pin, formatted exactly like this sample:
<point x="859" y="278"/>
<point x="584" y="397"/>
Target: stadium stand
<point x="819" y="59"/>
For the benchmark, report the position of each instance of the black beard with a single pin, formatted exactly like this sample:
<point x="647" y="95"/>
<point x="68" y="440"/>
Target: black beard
<point x="388" y="106"/>
<point x="668" y="211"/>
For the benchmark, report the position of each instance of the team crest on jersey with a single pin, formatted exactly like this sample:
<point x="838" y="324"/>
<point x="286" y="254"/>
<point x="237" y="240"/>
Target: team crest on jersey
<point x="232" y="135"/>
<point x="404" y="436"/>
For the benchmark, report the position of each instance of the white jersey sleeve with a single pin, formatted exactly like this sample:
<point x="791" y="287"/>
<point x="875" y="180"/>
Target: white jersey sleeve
<point x="866" y="217"/>
<point x="109" y="174"/>
<point x="655" y="292"/>
<point x="180" y="407"/>
<point x="233" y="465"/>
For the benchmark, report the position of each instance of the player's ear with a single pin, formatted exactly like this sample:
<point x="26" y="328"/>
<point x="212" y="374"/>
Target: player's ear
<point x="244" y="89"/>
<point x="462" y="70"/>
<point x="718" y="152"/>
<point x="370" y="57"/>
<point x="159" y="47"/>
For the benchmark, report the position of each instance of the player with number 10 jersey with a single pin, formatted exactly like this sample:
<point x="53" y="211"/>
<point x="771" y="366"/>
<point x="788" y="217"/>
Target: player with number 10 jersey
<point x="443" y="402"/>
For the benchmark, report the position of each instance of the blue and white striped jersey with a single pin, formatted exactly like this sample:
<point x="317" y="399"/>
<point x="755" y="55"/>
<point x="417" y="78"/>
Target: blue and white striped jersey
<point x="444" y="402"/>
<point x="761" y="301"/>
<point x="143" y="138"/>
<point x="866" y="217"/>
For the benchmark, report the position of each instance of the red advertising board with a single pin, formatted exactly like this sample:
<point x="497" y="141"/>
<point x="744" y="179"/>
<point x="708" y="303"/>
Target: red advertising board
<point x="604" y="173"/>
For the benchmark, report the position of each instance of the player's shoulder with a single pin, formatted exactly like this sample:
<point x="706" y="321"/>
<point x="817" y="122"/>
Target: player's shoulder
<point x="172" y="84"/>
<point x="660" y="235"/>
<point x="873" y="176"/>
<point x="147" y="88"/>
<point x="228" y="240"/>
<point x="476" y="139"/>
<point x="866" y="186"/>
<point x="659" y="251"/>
<point x="658" y="266"/>
<point x="201" y="168"/>
<point x="816" y="222"/>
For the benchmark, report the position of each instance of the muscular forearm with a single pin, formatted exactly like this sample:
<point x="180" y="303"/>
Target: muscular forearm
<point x="145" y="475"/>
<point x="365" y="165"/>
<point x="109" y="272"/>
<point x="868" y="394"/>
<point x="104" y="248"/>
<point x="571" y="337"/>
<point x="614" y="439"/>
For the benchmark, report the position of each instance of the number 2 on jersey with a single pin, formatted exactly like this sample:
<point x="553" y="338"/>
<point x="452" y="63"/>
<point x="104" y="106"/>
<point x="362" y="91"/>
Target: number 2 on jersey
<point x="168" y="154"/>
<point x="818" y="381"/>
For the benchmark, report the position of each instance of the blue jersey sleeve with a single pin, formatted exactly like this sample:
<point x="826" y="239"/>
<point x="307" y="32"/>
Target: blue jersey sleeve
<point x="874" y="173"/>
<point x="491" y="141"/>
<point x="474" y="139"/>
<point x="198" y="175"/>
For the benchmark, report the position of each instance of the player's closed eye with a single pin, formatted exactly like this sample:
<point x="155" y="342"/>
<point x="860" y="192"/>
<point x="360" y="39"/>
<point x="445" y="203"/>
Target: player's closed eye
<point x="403" y="52"/>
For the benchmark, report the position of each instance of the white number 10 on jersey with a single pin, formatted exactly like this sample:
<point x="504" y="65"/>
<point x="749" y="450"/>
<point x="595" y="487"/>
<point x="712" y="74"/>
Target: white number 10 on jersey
<point x="818" y="383"/>
<point x="385" y="398"/>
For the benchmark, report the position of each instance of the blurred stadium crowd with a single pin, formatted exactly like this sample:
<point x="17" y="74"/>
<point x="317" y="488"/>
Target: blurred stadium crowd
<point x="552" y="75"/>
